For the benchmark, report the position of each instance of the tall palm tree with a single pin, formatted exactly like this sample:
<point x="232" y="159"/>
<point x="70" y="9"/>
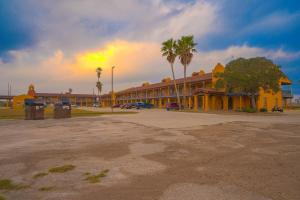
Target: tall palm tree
<point x="168" y="50"/>
<point x="98" y="71"/>
<point x="98" y="83"/>
<point x="99" y="86"/>
<point x="185" y="47"/>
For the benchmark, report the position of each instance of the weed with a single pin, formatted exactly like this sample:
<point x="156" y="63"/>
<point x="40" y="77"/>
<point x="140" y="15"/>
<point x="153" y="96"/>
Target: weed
<point x="41" y="174"/>
<point x="62" y="169"/>
<point x="46" y="188"/>
<point x="6" y="184"/>
<point x="96" y="178"/>
<point x="2" y="198"/>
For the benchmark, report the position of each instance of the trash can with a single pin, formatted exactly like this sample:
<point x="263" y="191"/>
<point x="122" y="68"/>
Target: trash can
<point x="34" y="109"/>
<point x="62" y="109"/>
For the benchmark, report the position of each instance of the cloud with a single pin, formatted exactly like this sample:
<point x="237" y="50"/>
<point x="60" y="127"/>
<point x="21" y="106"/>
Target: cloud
<point x="73" y="37"/>
<point x="274" y="21"/>
<point x="207" y="60"/>
<point x="134" y="61"/>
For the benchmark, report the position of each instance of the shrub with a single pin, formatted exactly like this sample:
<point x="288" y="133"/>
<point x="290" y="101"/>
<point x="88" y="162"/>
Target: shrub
<point x="263" y="110"/>
<point x="249" y="110"/>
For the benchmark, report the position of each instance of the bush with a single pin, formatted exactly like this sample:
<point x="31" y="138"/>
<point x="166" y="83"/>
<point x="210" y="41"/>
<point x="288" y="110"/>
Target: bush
<point x="263" y="110"/>
<point x="249" y="110"/>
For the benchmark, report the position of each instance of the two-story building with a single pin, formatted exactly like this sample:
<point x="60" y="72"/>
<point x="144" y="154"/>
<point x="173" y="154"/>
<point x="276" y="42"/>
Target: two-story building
<point x="201" y="94"/>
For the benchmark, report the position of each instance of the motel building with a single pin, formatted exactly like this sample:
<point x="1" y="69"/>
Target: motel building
<point x="201" y="94"/>
<point x="49" y="98"/>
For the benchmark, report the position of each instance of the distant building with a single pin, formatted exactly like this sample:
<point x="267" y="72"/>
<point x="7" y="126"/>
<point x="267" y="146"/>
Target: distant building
<point x="49" y="98"/>
<point x="201" y="94"/>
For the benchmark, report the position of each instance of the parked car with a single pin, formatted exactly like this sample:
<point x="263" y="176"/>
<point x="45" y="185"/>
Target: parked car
<point x="172" y="106"/>
<point x="116" y="106"/>
<point x="123" y="106"/>
<point x="140" y="105"/>
<point x="129" y="106"/>
<point x="277" y="109"/>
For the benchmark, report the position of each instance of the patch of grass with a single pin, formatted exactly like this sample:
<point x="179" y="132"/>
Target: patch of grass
<point x="46" y="188"/>
<point x="6" y="184"/>
<point x="96" y="178"/>
<point x="87" y="173"/>
<point x="2" y="197"/>
<point x="19" y="113"/>
<point x="41" y="174"/>
<point x="62" y="169"/>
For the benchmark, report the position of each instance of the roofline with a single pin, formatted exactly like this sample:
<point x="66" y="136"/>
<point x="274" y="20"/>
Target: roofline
<point x="189" y="79"/>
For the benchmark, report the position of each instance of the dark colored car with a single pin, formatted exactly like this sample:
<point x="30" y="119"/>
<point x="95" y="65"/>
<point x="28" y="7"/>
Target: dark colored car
<point x="140" y="105"/>
<point x="277" y="109"/>
<point x="116" y="106"/>
<point x="128" y="106"/>
<point x="172" y="106"/>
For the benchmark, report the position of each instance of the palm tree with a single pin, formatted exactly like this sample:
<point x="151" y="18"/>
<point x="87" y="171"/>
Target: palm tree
<point x="98" y="83"/>
<point x="99" y="87"/>
<point x="185" y="47"/>
<point x="168" y="50"/>
<point x="98" y="71"/>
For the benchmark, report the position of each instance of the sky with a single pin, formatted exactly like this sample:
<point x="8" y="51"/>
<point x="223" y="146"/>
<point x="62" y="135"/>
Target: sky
<point x="58" y="44"/>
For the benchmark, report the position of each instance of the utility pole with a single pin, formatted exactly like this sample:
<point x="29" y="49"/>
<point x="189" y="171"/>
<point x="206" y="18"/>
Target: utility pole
<point x="112" y="88"/>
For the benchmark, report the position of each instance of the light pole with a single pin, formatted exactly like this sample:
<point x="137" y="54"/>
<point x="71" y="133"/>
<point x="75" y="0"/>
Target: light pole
<point x="112" y="88"/>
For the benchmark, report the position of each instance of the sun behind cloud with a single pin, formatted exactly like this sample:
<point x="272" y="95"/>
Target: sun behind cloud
<point x="130" y="58"/>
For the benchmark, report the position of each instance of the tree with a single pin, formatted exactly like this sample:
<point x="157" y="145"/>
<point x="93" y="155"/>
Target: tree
<point x="168" y="50"/>
<point x="249" y="76"/>
<point x="98" y="83"/>
<point x="99" y="86"/>
<point x="185" y="48"/>
<point x="99" y="71"/>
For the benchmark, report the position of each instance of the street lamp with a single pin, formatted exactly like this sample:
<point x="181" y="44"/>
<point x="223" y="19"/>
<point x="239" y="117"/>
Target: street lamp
<point x="112" y="88"/>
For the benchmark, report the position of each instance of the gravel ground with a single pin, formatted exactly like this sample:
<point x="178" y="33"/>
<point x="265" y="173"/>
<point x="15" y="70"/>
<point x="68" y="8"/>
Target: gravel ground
<point x="155" y="155"/>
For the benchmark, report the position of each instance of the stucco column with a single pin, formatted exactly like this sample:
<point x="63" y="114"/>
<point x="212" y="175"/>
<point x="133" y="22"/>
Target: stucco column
<point x="190" y="102"/>
<point x="195" y="102"/>
<point x="206" y="106"/>
<point x="159" y="104"/>
<point x="225" y="103"/>
<point x="213" y="107"/>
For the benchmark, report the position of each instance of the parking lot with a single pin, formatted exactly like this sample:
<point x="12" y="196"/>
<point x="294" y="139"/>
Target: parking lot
<point x="153" y="154"/>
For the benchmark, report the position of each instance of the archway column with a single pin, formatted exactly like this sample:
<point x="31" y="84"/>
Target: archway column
<point x="225" y="103"/>
<point x="206" y="103"/>
<point x="195" y="102"/>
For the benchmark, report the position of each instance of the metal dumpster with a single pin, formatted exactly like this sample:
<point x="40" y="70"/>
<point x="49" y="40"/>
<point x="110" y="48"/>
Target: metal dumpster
<point x="62" y="109"/>
<point x="34" y="109"/>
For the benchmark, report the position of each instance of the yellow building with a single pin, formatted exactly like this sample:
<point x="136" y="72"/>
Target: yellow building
<point x="201" y="94"/>
<point x="18" y="101"/>
<point x="52" y="98"/>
